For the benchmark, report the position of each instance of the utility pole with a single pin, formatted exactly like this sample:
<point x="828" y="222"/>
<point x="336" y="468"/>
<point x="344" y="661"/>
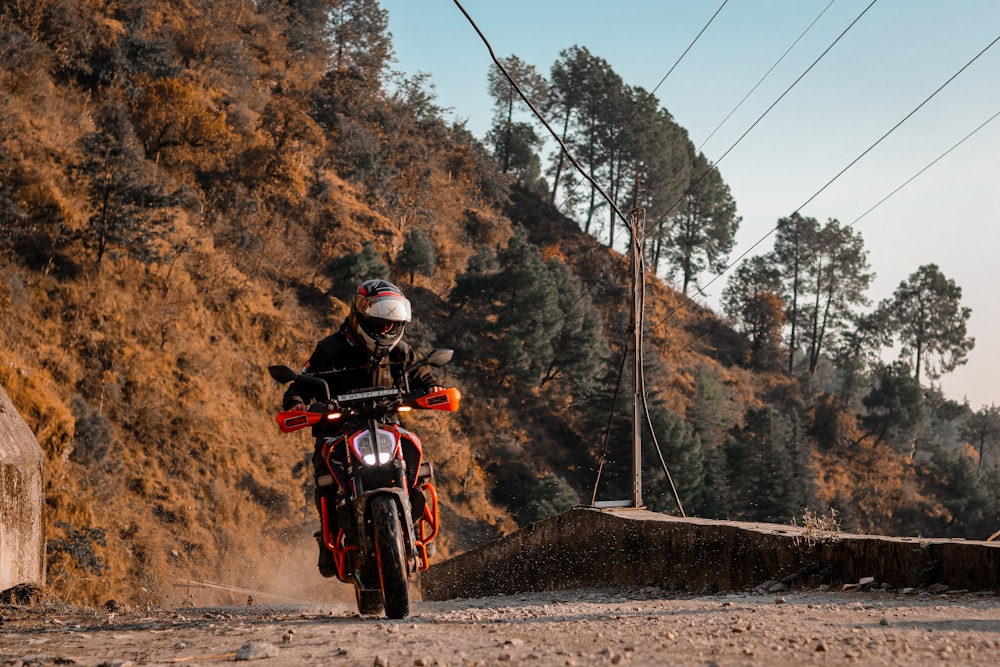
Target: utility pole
<point x="637" y="225"/>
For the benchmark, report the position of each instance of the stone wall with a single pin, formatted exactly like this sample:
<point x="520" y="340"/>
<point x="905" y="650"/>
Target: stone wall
<point x="590" y="548"/>
<point x="22" y="541"/>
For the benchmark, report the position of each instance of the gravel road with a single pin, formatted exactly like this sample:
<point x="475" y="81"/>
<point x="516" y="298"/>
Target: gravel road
<point x="579" y="627"/>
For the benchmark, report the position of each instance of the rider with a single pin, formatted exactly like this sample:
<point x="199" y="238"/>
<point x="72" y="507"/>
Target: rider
<point x="367" y="351"/>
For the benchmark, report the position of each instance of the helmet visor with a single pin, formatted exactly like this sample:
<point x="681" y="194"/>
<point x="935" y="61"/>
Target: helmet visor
<point x="390" y="308"/>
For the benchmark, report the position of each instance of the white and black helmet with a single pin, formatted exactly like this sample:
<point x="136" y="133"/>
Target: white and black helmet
<point x="379" y="313"/>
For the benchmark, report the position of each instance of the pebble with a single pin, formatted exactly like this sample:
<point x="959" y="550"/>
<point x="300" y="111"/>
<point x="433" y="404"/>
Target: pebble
<point x="256" y="651"/>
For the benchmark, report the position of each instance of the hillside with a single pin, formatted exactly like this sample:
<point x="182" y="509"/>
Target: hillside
<point x="191" y="192"/>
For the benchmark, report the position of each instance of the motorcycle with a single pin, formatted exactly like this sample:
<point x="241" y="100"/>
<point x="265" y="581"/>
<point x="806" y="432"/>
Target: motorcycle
<point x="386" y="507"/>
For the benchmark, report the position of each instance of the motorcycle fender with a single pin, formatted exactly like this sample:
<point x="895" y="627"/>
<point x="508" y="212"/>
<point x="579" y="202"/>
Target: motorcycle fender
<point x="402" y="502"/>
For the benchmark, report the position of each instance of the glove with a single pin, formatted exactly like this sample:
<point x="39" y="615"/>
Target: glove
<point x="301" y="407"/>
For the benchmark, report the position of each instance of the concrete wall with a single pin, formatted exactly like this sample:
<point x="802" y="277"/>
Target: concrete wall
<point x="22" y="540"/>
<point x="590" y="547"/>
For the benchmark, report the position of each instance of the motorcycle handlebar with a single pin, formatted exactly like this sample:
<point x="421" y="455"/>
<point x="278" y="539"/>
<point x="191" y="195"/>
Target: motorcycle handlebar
<point x="446" y="399"/>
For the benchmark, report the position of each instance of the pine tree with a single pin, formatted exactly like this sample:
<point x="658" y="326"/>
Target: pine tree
<point x="930" y="321"/>
<point x="418" y="255"/>
<point x="129" y="209"/>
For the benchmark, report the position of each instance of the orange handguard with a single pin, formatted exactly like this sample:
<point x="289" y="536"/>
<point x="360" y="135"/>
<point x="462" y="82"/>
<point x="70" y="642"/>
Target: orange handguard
<point x="442" y="399"/>
<point x="293" y="420"/>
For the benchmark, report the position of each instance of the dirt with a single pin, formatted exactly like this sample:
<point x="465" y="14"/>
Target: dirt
<point x="579" y="627"/>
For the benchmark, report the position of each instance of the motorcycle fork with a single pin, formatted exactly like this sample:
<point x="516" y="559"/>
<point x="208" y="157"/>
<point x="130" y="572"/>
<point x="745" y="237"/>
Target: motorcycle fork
<point x="401" y="492"/>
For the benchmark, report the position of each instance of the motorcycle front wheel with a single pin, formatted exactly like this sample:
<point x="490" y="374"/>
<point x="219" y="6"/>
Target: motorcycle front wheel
<point x="390" y="556"/>
<point x="369" y="601"/>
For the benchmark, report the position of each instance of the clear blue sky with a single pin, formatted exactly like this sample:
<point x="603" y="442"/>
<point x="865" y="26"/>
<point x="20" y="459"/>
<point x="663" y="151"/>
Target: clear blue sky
<point x="887" y="64"/>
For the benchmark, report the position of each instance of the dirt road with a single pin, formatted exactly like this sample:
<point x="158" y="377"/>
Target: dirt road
<point x="582" y="627"/>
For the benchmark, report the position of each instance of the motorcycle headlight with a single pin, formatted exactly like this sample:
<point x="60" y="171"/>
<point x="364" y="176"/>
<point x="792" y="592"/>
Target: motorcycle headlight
<point x="374" y="451"/>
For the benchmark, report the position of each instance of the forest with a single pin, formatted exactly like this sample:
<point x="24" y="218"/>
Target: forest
<point x="190" y="192"/>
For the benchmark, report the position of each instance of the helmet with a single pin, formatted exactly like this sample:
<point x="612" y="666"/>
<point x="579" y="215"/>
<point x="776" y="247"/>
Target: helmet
<point x="378" y="314"/>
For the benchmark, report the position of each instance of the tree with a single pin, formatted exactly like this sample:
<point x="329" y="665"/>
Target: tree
<point x="766" y="466"/>
<point x="514" y="142"/>
<point x="838" y="278"/>
<point x="349" y="271"/>
<point x="128" y="207"/>
<point x="598" y="87"/>
<point x="795" y="238"/>
<point x="178" y="130"/>
<point x="580" y="346"/>
<point x="418" y="254"/>
<point x="895" y="408"/>
<point x="858" y="347"/>
<point x="534" y="317"/>
<point x="929" y="319"/>
<point x="528" y="317"/>
<point x="750" y="299"/>
<point x="825" y="276"/>
<point x="705" y="225"/>
<point x="982" y="430"/>
<point x="568" y="79"/>
<point x="360" y="42"/>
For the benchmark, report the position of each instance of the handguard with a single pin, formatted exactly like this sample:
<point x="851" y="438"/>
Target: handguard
<point x="443" y="399"/>
<point x="293" y="420"/>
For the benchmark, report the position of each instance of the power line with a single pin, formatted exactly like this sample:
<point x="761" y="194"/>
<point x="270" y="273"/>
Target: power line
<point x="766" y="74"/>
<point x="926" y="167"/>
<point x="794" y="83"/>
<point x="538" y="114"/>
<point x="831" y="181"/>
<point x="872" y="208"/>
<point x="652" y="93"/>
<point x="674" y="66"/>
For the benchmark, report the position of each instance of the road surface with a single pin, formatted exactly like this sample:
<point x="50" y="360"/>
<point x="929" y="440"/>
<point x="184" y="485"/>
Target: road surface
<point x="571" y="628"/>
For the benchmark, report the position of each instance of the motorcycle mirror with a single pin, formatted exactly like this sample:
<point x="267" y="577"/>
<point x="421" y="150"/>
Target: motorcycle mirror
<point x="282" y="373"/>
<point x="439" y="357"/>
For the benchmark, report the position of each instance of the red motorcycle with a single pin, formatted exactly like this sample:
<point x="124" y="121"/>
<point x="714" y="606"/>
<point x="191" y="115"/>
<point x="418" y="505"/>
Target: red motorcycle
<point x="386" y="508"/>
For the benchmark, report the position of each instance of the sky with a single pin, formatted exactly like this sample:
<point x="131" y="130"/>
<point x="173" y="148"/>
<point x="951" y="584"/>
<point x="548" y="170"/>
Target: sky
<point x="781" y="147"/>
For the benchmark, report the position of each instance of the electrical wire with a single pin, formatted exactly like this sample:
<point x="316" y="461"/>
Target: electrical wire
<point x="652" y="93"/>
<point x="715" y="163"/>
<point x="872" y="208"/>
<point x="538" y="114"/>
<point x="766" y="74"/>
<point x="794" y="83"/>
<point x="725" y="269"/>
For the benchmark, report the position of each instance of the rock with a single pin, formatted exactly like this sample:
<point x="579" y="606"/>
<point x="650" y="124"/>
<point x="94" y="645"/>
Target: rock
<point x="256" y="651"/>
<point x="936" y="589"/>
<point x="22" y="594"/>
<point x="114" y="606"/>
<point x="766" y="585"/>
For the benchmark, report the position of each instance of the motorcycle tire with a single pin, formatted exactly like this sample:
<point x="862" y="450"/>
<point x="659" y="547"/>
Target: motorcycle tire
<point x="369" y="601"/>
<point x="390" y="556"/>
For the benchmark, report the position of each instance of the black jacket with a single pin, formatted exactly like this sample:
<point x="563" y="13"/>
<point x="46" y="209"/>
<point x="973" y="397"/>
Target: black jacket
<point x="353" y="369"/>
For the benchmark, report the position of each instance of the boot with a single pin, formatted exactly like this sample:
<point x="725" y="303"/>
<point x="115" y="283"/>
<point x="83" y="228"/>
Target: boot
<point x="326" y="564"/>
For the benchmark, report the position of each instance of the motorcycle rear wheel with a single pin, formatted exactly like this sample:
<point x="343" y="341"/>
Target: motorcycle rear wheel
<point x="390" y="556"/>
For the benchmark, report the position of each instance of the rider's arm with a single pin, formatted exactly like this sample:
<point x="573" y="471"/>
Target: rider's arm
<point x="302" y="393"/>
